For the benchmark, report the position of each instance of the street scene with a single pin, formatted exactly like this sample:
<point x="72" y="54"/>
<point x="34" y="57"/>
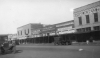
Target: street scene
<point x="51" y="51"/>
<point x="49" y="28"/>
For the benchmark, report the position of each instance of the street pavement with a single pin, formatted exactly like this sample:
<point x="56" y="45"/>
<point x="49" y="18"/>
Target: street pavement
<point x="52" y="51"/>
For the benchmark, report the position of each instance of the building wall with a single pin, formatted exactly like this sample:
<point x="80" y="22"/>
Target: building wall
<point x="89" y="9"/>
<point x="12" y="36"/>
<point x="24" y="31"/>
<point x="36" y="33"/>
<point x="27" y="30"/>
<point x="35" y="29"/>
<point x="65" y="27"/>
<point x="3" y="37"/>
<point x="48" y="30"/>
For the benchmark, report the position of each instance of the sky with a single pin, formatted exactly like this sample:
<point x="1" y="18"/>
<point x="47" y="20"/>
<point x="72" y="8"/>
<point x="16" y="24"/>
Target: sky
<point x="15" y="13"/>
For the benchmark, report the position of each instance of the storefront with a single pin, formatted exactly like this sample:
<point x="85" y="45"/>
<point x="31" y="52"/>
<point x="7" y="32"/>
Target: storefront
<point x="66" y="30"/>
<point x="48" y="33"/>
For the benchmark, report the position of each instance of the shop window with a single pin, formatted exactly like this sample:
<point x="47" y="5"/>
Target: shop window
<point x="88" y="29"/>
<point x="83" y="29"/>
<point x="21" y="32"/>
<point x="48" y="34"/>
<point x="78" y="30"/>
<point x="87" y="19"/>
<point x="95" y="17"/>
<point x="97" y="28"/>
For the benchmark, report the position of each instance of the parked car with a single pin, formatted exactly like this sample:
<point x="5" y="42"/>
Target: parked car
<point x="60" y="41"/>
<point x="5" y="46"/>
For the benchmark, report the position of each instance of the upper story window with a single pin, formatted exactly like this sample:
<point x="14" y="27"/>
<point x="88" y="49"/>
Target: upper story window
<point x="80" y="20"/>
<point x="95" y="17"/>
<point x="87" y="19"/>
<point x="28" y="31"/>
<point x="21" y="32"/>
<point x="18" y="32"/>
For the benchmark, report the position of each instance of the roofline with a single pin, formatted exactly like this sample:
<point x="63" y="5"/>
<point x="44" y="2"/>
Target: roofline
<point x="23" y="25"/>
<point x="85" y="5"/>
<point x="64" y="22"/>
<point x="28" y="24"/>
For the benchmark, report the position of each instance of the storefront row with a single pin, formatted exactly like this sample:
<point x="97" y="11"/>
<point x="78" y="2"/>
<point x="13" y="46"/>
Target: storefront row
<point x="78" y="37"/>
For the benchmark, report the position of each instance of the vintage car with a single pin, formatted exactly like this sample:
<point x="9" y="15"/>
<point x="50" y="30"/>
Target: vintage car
<point x="60" y="41"/>
<point x="6" y="46"/>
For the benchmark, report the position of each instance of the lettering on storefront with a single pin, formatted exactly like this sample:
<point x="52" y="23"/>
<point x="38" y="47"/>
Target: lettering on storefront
<point x="52" y="33"/>
<point x="66" y="30"/>
<point x="70" y="31"/>
<point x="36" y="32"/>
<point x="48" y="29"/>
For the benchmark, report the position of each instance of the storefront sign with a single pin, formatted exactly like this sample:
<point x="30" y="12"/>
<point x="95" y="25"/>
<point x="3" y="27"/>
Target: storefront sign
<point x="36" y="32"/>
<point x="64" y="29"/>
<point x="52" y="34"/>
<point x="48" y="29"/>
<point x="67" y="32"/>
<point x="69" y="23"/>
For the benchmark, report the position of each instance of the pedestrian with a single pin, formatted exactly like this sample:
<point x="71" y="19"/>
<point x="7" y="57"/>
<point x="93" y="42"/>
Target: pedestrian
<point x="87" y="41"/>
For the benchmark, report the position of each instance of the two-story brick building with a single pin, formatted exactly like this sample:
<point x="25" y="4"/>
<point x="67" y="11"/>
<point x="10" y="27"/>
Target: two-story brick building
<point x="26" y="31"/>
<point x="87" y="20"/>
<point x="66" y="30"/>
<point x="48" y="32"/>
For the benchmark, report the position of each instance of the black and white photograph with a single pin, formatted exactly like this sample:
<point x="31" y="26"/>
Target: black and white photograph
<point x="49" y="28"/>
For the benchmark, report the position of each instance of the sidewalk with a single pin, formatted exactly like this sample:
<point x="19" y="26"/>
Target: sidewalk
<point x="95" y="43"/>
<point x="38" y="44"/>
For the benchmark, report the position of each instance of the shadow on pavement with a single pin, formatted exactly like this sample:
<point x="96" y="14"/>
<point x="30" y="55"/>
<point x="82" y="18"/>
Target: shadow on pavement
<point x="10" y="52"/>
<point x="18" y="51"/>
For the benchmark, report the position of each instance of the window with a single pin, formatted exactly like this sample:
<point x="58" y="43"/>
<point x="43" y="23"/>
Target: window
<point x="78" y="30"/>
<point x="87" y="19"/>
<point x="18" y="32"/>
<point x="96" y="9"/>
<point x="97" y="28"/>
<point x="21" y="32"/>
<point x="80" y="20"/>
<point x="83" y="29"/>
<point x="95" y="17"/>
<point x="88" y="29"/>
<point x="48" y="34"/>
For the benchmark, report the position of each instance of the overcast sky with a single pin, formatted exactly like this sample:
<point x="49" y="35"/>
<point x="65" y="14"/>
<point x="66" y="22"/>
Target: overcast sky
<point x="15" y="13"/>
